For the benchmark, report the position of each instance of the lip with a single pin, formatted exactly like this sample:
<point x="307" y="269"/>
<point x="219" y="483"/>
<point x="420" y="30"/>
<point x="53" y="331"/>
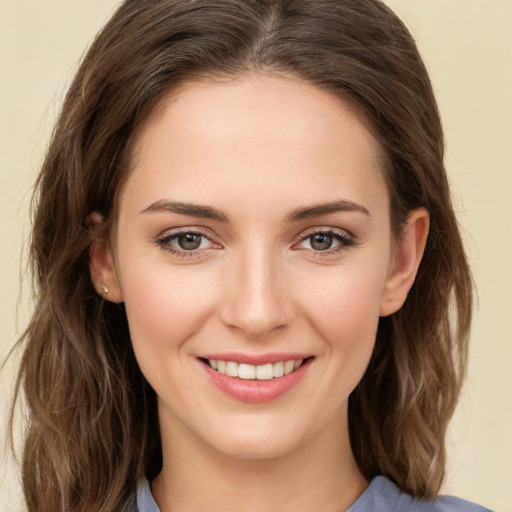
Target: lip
<point x="255" y="391"/>
<point x="256" y="359"/>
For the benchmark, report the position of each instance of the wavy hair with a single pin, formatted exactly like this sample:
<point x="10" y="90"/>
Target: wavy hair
<point x="92" y="427"/>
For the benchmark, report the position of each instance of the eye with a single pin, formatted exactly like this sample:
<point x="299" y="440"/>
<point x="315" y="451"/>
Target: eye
<point x="188" y="241"/>
<point x="326" y="241"/>
<point x="321" y="241"/>
<point x="185" y="243"/>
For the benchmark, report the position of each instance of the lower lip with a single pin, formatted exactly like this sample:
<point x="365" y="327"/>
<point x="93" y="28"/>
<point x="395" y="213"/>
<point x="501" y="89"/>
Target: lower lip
<point x="256" y="391"/>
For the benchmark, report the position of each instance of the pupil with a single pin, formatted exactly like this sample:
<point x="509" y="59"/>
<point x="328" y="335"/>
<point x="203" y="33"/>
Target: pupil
<point x="321" y="242"/>
<point x="189" y="241"/>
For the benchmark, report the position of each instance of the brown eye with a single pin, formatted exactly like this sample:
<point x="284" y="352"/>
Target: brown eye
<point x="189" y="241"/>
<point x="328" y="242"/>
<point x="321" y="241"/>
<point x="186" y="243"/>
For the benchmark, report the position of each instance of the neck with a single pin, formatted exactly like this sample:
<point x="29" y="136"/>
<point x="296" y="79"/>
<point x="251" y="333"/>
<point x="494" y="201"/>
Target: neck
<point x="321" y="474"/>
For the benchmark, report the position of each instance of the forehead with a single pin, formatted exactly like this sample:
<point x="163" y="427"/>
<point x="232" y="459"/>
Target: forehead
<point x="272" y="132"/>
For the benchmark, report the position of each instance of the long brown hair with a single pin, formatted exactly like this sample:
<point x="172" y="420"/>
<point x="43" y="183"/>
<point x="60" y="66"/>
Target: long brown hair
<point x="92" y="428"/>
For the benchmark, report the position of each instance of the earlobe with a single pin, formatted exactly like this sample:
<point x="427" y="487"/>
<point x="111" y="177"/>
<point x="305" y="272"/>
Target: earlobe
<point x="102" y="266"/>
<point x="405" y="262"/>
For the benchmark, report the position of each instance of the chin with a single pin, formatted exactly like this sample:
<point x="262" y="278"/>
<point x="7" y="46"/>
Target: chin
<point x="257" y="449"/>
<point x="261" y="440"/>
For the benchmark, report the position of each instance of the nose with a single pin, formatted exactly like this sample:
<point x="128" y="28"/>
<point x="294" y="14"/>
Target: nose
<point x="256" y="297"/>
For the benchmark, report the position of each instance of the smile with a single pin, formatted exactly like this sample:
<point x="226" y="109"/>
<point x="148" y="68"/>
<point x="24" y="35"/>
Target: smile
<point x="245" y="371"/>
<point x="266" y="379"/>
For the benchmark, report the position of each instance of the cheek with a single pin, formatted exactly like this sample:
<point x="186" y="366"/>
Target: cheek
<point x="344" y="309"/>
<point x="165" y="306"/>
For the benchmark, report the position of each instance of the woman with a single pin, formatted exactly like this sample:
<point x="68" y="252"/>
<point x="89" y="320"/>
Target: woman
<point x="245" y="256"/>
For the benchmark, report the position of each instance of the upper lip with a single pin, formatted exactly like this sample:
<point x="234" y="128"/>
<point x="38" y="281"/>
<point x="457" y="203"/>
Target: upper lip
<point x="256" y="359"/>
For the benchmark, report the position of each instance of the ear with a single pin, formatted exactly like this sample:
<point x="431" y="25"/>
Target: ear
<point x="101" y="263"/>
<point x="405" y="262"/>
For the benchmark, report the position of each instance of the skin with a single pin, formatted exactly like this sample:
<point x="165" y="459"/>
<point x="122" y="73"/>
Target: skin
<point x="256" y="149"/>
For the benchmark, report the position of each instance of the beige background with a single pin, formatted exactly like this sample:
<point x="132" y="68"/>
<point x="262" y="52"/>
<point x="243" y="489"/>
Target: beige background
<point x="467" y="45"/>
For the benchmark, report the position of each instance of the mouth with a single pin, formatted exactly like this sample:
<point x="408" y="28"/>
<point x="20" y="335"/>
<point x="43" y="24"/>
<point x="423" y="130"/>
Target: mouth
<point x="255" y="378"/>
<point x="244" y="371"/>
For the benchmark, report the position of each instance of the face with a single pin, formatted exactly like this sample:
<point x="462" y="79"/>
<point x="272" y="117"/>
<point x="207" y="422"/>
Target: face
<point x="253" y="253"/>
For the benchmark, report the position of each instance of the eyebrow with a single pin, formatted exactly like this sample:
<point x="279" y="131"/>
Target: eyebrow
<point x="192" y="210"/>
<point x="340" y="205"/>
<point x="207" y="212"/>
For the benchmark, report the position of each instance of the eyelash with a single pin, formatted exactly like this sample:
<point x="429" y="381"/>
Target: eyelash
<point x="164" y="243"/>
<point x="345" y="241"/>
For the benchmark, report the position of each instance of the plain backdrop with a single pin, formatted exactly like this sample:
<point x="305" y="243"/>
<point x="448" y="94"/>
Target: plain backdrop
<point x="467" y="45"/>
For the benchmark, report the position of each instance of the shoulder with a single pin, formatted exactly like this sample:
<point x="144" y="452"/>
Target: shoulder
<point x="144" y="499"/>
<point x="382" y="495"/>
<point x="453" y="504"/>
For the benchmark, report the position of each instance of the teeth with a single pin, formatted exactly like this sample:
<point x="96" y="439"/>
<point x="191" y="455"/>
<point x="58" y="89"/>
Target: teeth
<point x="265" y="372"/>
<point x="278" y="369"/>
<point x="246" y="371"/>
<point x="231" y="369"/>
<point x="288" y="367"/>
<point x="251" y="372"/>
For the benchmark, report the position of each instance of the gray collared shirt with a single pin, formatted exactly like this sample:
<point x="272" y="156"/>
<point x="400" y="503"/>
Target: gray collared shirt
<point x="381" y="495"/>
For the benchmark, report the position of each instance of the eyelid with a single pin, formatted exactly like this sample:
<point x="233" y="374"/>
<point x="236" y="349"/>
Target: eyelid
<point x="344" y="237"/>
<point x="168" y="235"/>
<point x="326" y="229"/>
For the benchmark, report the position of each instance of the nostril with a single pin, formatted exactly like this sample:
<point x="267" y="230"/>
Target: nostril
<point x="254" y="301"/>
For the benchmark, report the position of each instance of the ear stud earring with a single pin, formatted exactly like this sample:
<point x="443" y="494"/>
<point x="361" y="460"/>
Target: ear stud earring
<point x="104" y="287"/>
